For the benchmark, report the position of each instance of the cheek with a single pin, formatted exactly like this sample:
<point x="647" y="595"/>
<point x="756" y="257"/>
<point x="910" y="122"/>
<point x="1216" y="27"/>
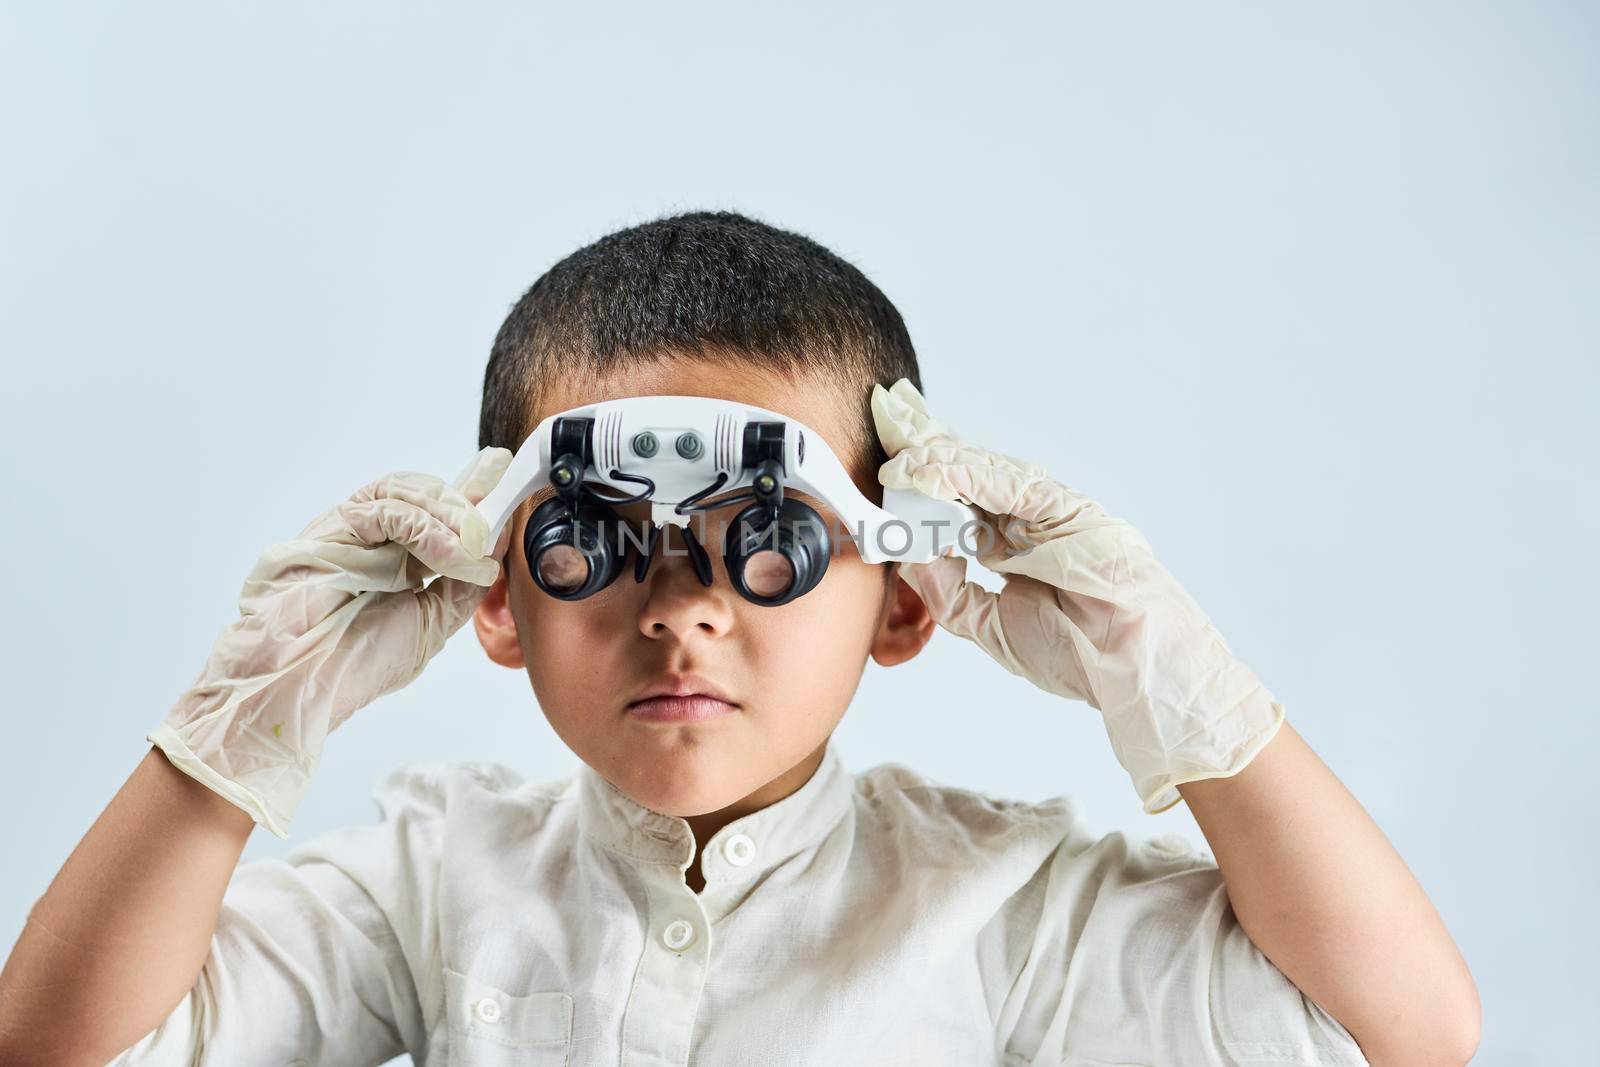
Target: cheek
<point x="569" y="631"/>
<point x="837" y="619"/>
<point x="566" y="643"/>
<point x="574" y="664"/>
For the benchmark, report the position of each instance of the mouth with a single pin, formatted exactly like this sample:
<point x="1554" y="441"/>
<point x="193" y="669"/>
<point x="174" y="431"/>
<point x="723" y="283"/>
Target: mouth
<point x="681" y="698"/>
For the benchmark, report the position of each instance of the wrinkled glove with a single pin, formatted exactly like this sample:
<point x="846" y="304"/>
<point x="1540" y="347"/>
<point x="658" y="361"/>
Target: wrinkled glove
<point x="328" y="623"/>
<point x="1086" y="611"/>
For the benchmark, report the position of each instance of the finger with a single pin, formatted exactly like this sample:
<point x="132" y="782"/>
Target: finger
<point x="434" y="523"/>
<point x="445" y="605"/>
<point x="454" y="503"/>
<point x="931" y="583"/>
<point x="385" y="546"/>
<point x="482" y="473"/>
<point x="901" y="417"/>
<point x="925" y="457"/>
<point x="999" y="484"/>
<point x="964" y="608"/>
<point x="433" y="520"/>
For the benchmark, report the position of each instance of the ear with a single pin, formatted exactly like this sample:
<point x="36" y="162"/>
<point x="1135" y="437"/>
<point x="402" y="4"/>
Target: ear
<point x="906" y="625"/>
<point x="497" y="627"/>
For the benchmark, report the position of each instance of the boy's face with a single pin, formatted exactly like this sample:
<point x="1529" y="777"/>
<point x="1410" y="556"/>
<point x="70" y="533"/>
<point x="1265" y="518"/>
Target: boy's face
<point x="791" y="670"/>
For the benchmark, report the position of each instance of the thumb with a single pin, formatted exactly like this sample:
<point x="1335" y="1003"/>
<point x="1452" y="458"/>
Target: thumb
<point x="445" y="605"/>
<point x="954" y="602"/>
<point x="964" y="608"/>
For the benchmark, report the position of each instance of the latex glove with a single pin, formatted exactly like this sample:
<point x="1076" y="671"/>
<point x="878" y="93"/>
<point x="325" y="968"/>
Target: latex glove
<point x="328" y="623"/>
<point x="1086" y="611"/>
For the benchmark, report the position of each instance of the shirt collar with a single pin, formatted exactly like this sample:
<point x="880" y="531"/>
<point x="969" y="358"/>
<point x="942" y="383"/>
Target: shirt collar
<point x="775" y="832"/>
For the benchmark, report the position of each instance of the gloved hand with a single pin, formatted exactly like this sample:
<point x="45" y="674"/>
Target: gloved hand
<point x="1086" y="611"/>
<point x="328" y="623"/>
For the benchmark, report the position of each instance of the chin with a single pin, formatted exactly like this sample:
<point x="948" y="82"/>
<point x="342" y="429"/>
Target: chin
<point x="685" y="784"/>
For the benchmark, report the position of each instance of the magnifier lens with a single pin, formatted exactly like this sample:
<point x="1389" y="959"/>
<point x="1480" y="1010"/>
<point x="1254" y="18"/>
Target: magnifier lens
<point x="768" y="573"/>
<point x="563" y="568"/>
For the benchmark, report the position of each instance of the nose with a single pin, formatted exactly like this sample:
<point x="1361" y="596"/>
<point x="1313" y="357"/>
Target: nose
<point x="676" y="604"/>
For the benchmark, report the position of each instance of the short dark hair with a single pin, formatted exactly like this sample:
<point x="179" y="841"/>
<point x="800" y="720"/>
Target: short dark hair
<point x="702" y="284"/>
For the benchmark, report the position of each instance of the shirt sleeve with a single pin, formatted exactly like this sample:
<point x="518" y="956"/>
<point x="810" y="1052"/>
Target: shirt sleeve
<point x="1136" y="957"/>
<point x="309" y="961"/>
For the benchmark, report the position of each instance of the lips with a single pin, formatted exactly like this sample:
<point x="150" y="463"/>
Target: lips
<point x="680" y="710"/>
<point x="682" y="685"/>
<point x="678" y="699"/>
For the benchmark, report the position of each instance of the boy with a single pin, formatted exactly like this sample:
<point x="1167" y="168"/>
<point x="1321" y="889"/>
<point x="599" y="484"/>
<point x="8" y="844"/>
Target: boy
<point x="724" y="891"/>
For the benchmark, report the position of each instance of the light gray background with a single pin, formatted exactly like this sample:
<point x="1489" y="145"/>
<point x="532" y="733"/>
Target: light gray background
<point x="1307" y="295"/>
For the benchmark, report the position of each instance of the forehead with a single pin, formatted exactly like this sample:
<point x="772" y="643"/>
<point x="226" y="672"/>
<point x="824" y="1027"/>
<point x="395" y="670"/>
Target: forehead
<point x="815" y="401"/>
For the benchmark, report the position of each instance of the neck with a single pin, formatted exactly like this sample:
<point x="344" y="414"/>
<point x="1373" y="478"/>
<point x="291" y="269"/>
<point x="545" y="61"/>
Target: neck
<point x="705" y="826"/>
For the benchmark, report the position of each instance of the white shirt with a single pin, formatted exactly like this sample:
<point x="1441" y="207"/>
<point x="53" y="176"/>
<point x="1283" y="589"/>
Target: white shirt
<point x="874" y="918"/>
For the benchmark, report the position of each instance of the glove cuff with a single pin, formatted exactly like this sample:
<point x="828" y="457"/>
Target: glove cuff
<point x="1223" y="751"/>
<point x="268" y="795"/>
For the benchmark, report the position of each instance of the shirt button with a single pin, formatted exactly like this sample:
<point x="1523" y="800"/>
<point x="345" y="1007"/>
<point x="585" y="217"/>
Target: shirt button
<point x="488" y="1009"/>
<point x="739" y="850"/>
<point x="678" y="934"/>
